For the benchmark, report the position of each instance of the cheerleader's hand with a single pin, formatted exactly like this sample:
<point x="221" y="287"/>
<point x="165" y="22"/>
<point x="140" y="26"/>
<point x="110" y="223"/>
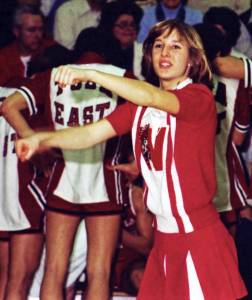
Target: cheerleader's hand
<point x="128" y="168"/>
<point x="27" y="147"/>
<point x="69" y="75"/>
<point x="137" y="198"/>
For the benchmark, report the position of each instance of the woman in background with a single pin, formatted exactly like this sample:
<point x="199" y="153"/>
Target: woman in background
<point x="115" y="37"/>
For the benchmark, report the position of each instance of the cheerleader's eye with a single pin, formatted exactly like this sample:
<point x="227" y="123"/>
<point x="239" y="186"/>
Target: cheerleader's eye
<point x="176" y="46"/>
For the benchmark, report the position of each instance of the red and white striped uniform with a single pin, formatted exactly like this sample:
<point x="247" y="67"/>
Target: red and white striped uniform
<point x="176" y="157"/>
<point x="22" y="201"/>
<point x="233" y="109"/>
<point x="179" y="182"/>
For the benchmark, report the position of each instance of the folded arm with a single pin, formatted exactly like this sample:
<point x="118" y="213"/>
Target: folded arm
<point x="230" y="67"/>
<point x="11" y="111"/>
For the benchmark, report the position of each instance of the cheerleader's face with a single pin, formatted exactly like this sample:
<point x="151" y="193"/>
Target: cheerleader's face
<point x="170" y="58"/>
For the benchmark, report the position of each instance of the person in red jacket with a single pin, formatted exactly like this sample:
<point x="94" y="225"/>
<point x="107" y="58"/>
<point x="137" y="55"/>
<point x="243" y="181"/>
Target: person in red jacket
<point x="28" y="29"/>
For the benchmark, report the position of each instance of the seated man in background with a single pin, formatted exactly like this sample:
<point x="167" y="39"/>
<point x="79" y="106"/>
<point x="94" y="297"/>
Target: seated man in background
<point x="28" y="29"/>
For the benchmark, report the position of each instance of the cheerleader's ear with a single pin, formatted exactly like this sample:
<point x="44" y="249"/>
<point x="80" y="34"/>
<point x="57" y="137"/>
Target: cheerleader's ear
<point x="187" y="71"/>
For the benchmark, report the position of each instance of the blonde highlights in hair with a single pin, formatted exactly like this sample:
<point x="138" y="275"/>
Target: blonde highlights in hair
<point x="199" y="67"/>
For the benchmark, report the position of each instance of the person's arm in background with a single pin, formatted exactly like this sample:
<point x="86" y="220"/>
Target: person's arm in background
<point x="143" y="241"/>
<point x="11" y="111"/>
<point x="233" y="67"/>
<point x="29" y="95"/>
<point x="238" y="137"/>
<point x="229" y="66"/>
<point x="242" y="115"/>
<point x="242" y="126"/>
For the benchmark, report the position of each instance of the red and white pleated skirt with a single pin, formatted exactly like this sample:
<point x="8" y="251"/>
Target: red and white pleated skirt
<point x="201" y="265"/>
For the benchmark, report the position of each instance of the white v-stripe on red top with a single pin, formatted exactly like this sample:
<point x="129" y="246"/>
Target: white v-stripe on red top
<point x="176" y="157"/>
